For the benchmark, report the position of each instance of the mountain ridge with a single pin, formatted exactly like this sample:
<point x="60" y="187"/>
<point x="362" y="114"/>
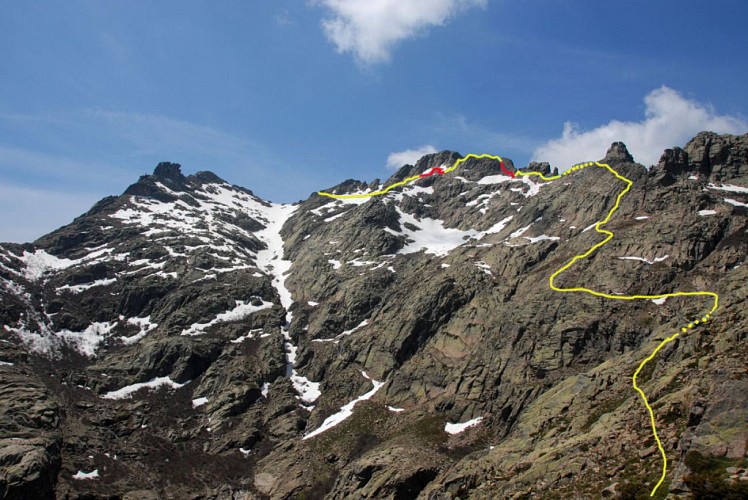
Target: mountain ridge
<point x="255" y="322"/>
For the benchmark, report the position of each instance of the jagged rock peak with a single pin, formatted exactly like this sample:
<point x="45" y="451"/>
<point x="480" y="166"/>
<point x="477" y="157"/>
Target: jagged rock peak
<point x="169" y="171"/>
<point x="348" y="186"/>
<point x="723" y="157"/>
<point x="446" y="158"/>
<point x="716" y="157"/>
<point x="170" y="175"/>
<point x="205" y="177"/>
<point x="426" y="162"/>
<point x="542" y="167"/>
<point x="475" y="169"/>
<point x="618" y="153"/>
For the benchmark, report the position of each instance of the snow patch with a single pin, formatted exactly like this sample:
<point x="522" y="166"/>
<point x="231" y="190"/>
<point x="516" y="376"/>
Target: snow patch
<point x="498" y="227"/>
<point x="308" y="391"/>
<point x="197" y="402"/>
<point x="127" y="391"/>
<point x="542" y="237"/>
<point x="87" y="341"/>
<point x="519" y="232"/>
<point x="241" y="311"/>
<point x="482" y="199"/>
<point x="86" y="475"/>
<point x="86" y="286"/>
<point x="360" y="325"/>
<point x="641" y="259"/>
<point x="431" y="237"/>
<point x="145" y="326"/>
<point x="707" y="212"/>
<point x="494" y="179"/>
<point x="249" y="336"/>
<point x="729" y="187"/>
<point x="336" y="216"/>
<point x="735" y="202"/>
<point x="40" y="262"/>
<point x="335" y="263"/>
<point x="485" y="267"/>
<point x="337" y="338"/>
<point x="346" y="410"/>
<point x="533" y="188"/>
<point x="359" y="263"/>
<point x="458" y="428"/>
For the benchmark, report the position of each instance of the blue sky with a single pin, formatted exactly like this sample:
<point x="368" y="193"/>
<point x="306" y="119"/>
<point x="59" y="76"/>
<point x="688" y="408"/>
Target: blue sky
<point x="287" y="97"/>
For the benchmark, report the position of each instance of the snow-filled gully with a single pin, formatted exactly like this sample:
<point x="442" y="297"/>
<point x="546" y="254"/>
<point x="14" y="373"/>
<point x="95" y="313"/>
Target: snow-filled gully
<point x="271" y="261"/>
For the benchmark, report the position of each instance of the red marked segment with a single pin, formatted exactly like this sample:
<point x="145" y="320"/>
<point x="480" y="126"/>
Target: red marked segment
<point x="435" y="170"/>
<point x="440" y="171"/>
<point x="507" y="172"/>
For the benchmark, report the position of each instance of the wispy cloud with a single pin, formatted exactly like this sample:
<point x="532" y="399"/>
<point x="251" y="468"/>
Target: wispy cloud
<point x="157" y="134"/>
<point x="409" y="156"/>
<point x="468" y="136"/>
<point x="283" y="18"/>
<point x="370" y="29"/>
<point x="56" y="169"/>
<point x="129" y="142"/>
<point x="669" y="120"/>
<point x="484" y="137"/>
<point x="26" y="213"/>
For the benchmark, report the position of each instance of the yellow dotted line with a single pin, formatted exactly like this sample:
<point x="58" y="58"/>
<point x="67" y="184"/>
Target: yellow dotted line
<point x="551" y="280"/>
<point x="608" y="237"/>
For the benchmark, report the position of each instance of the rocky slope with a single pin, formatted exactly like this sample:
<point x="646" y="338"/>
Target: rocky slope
<point x="190" y="340"/>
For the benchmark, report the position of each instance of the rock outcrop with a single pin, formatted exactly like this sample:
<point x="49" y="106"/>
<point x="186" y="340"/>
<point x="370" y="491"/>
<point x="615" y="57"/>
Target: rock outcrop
<point x="189" y="339"/>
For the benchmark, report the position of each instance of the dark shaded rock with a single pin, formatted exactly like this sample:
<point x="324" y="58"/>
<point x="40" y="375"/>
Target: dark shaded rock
<point x="425" y="163"/>
<point x="346" y="187"/>
<point x="29" y="437"/>
<point x="170" y="172"/>
<point x="540" y="167"/>
<point x="721" y="157"/>
<point x="205" y="177"/>
<point x="618" y="153"/>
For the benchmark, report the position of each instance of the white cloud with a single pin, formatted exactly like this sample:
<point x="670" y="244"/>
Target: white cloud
<point x="669" y="120"/>
<point x="409" y="156"/>
<point x="371" y="28"/>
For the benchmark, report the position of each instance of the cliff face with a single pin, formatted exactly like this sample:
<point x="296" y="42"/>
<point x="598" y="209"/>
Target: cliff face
<point x="188" y="338"/>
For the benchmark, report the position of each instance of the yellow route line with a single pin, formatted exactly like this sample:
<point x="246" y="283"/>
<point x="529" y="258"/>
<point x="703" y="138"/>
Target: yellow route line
<point x="551" y="280"/>
<point x="608" y="237"/>
<point x="404" y="181"/>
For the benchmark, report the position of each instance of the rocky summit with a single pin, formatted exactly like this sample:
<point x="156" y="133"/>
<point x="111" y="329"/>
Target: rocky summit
<point x="188" y="339"/>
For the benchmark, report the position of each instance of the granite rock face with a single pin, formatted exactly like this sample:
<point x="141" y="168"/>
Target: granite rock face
<point x="188" y="339"/>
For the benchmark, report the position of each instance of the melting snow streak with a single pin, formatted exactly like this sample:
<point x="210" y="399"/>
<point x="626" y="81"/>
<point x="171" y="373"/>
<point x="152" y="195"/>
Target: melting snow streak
<point x="345" y="411"/>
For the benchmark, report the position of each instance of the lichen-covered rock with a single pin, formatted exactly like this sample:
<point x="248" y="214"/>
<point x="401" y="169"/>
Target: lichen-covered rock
<point x="30" y="436"/>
